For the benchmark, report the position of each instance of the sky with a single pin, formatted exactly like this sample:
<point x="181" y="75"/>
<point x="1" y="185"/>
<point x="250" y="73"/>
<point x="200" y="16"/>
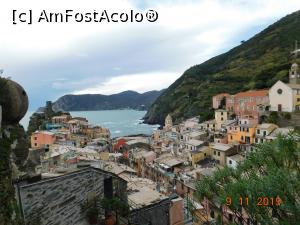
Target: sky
<point x="53" y="59"/>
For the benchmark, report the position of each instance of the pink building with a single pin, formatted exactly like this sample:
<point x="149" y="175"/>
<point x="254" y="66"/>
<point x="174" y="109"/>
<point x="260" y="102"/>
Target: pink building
<point x="243" y="103"/>
<point x="217" y="100"/>
<point x="247" y="103"/>
<point x="41" y="139"/>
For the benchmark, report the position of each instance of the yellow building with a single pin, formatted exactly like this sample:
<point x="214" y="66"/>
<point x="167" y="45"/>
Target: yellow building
<point x="243" y="132"/>
<point x="200" y="154"/>
<point x="221" y="117"/>
<point x="221" y="151"/>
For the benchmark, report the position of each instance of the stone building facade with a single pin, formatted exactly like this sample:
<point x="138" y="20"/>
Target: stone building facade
<point x="60" y="200"/>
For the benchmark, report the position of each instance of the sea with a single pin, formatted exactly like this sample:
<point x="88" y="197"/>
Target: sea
<point x="119" y="122"/>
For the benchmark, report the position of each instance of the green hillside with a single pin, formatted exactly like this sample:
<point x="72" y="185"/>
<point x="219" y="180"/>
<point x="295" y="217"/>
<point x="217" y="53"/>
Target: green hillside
<point x="256" y="63"/>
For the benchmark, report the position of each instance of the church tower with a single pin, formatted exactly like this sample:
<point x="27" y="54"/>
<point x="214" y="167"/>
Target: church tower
<point x="294" y="74"/>
<point x="168" y="122"/>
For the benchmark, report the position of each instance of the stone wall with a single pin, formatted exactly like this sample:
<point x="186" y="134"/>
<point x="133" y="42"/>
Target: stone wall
<point x="155" y="214"/>
<point x="59" y="201"/>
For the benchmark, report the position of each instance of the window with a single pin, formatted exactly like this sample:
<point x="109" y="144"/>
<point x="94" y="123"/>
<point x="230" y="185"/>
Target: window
<point x="231" y="137"/>
<point x="215" y="152"/>
<point x="204" y="154"/>
<point x="221" y="118"/>
<point x="35" y="144"/>
<point x="258" y="131"/>
<point x="279" y="91"/>
<point x="35" y="138"/>
<point x="247" y="129"/>
<point x="218" y="153"/>
<point x="230" y="162"/>
<point x="242" y="138"/>
<point x="265" y="133"/>
<point x="222" y="113"/>
<point x="256" y="140"/>
<point x="298" y="99"/>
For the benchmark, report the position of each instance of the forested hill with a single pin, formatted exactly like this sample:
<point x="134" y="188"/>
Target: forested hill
<point x="254" y="64"/>
<point x="126" y="99"/>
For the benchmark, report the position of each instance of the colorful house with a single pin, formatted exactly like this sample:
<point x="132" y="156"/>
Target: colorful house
<point x="246" y="103"/>
<point x="243" y="103"/>
<point x="41" y="139"/>
<point x="243" y="132"/>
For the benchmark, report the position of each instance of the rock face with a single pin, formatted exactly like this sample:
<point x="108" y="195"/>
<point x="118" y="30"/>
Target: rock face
<point x="14" y="101"/>
<point x="13" y="147"/>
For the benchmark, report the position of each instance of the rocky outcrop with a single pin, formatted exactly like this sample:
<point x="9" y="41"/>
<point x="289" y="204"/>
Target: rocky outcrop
<point x="13" y="148"/>
<point x="14" y="101"/>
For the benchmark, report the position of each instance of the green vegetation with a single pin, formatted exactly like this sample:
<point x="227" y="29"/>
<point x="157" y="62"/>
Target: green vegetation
<point x="255" y="64"/>
<point x="117" y="206"/>
<point x="38" y="120"/>
<point x="287" y="115"/>
<point x="273" y="117"/>
<point x="9" y="211"/>
<point x="271" y="171"/>
<point x="123" y="100"/>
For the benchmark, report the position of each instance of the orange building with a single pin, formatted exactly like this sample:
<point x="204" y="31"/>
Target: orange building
<point x="243" y="132"/>
<point x="40" y="139"/>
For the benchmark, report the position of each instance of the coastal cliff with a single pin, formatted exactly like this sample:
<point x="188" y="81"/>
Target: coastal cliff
<point x="123" y="100"/>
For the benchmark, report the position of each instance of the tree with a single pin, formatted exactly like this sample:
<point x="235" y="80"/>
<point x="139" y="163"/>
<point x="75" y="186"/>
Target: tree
<point x="273" y="117"/>
<point x="272" y="171"/>
<point x="116" y="205"/>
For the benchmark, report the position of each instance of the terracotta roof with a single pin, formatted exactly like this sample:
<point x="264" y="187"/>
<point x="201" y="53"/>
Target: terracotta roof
<point x="252" y="93"/>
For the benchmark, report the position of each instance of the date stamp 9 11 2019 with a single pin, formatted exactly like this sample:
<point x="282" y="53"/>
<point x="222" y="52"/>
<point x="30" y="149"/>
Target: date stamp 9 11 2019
<point x="260" y="201"/>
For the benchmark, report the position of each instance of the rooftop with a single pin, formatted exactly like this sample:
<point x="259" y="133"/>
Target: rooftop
<point x="253" y="93"/>
<point x="221" y="147"/>
<point x="294" y="86"/>
<point x="210" y="122"/>
<point x="117" y="168"/>
<point x="168" y="160"/>
<point x="265" y="125"/>
<point x="281" y="130"/>
<point x="142" y="192"/>
<point x="195" y="142"/>
<point x="44" y="132"/>
<point x="237" y="158"/>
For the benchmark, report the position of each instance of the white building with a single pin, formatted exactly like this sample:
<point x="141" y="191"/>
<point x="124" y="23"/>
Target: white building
<point x="286" y="97"/>
<point x="234" y="160"/>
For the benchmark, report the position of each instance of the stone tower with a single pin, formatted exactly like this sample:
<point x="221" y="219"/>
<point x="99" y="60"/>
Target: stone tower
<point x="294" y="74"/>
<point x="168" y="122"/>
